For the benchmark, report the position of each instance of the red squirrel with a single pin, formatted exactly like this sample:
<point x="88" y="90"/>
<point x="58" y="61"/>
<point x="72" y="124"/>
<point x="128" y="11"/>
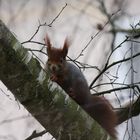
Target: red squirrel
<point x="73" y="82"/>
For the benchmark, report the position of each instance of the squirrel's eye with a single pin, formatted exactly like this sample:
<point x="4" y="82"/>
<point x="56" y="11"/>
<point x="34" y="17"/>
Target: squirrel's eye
<point x="48" y="59"/>
<point x="61" y="60"/>
<point x="48" y="62"/>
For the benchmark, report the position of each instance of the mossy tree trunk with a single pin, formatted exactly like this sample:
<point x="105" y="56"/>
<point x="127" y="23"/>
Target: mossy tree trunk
<point x="24" y="77"/>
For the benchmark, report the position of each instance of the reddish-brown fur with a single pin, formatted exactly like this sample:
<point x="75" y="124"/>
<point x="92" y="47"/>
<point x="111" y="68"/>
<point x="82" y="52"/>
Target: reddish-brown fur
<point x="101" y="111"/>
<point x="97" y="107"/>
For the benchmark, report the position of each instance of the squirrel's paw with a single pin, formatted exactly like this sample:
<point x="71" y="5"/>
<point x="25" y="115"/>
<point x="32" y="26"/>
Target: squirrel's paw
<point x="53" y="78"/>
<point x="71" y="93"/>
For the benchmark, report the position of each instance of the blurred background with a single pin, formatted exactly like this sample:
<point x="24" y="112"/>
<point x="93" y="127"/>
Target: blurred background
<point x="94" y="28"/>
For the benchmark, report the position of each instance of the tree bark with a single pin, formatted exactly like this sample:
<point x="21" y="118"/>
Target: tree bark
<point x="24" y="77"/>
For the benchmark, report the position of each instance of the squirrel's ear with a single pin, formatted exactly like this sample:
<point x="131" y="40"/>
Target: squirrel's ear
<point x="48" y="43"/>
<point x="65" y="48"/>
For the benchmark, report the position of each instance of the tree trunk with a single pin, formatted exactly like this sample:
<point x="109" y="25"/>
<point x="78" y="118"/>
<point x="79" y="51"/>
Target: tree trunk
<point x="24" y="77"/>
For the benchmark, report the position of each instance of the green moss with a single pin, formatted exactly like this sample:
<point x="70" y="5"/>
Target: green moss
<point x="58" y="116"/>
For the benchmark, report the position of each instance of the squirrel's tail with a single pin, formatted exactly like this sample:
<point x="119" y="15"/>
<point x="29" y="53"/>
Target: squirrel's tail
<point x="101" y="111"/>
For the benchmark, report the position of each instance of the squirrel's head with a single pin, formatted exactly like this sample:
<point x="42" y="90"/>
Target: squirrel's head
<point x="56" y="56"/>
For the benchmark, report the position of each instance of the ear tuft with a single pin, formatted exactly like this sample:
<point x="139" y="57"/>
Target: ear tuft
<point x="48" y="43"/>
<point x="65" y="48"/>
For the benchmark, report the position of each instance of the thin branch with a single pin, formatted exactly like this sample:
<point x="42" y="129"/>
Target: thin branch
<point x="123" y="60"/>
<point x="35" y="134"/>
<point x="33" y="50"/>
<point x="120" y="45"/>
<point x="111" y="65"/>
<point x="94" y="36"/>
<point x="31" y="41"/>
<point x="117" y="89"/>
<point x="123" y="114"/>
<point x="37" y="58"/>
<point x="128" y="31"/>
<point x="44" y="24"/>
<point x="81" y="65"/>
<point x="110" y="83"/>
<point x="50" y="24"/>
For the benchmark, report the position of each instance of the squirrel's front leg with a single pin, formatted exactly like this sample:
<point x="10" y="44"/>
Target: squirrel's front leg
<point x="71" y="93"/>
<point x="53" y="78"/>
<point x="56" y="78"/>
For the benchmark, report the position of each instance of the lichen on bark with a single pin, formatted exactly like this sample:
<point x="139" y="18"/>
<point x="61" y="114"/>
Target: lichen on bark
<point x="20" y="72"/>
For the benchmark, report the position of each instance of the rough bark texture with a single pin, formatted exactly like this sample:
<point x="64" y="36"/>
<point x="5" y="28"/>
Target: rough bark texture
<point x="23" y="76"/>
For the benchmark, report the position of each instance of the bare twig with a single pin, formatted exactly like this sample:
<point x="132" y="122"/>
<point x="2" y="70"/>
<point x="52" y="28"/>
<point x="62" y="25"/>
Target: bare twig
<point x="35" y="134"/>
<point x="44" y="24"/>
<point x="33" y="50"/>
<point x="123" y="114"/>
<point x="31" y="41"/>
<point x="120" y="45"/>
<point x="111" y="65"/>
<point x="94" y="36"/>
<point x="118" y="89"/>
<point x="50" y="24"/>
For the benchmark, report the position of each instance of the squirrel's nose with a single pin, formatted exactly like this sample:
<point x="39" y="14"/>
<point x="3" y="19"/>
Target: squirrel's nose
<point x="54" y="68"/>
